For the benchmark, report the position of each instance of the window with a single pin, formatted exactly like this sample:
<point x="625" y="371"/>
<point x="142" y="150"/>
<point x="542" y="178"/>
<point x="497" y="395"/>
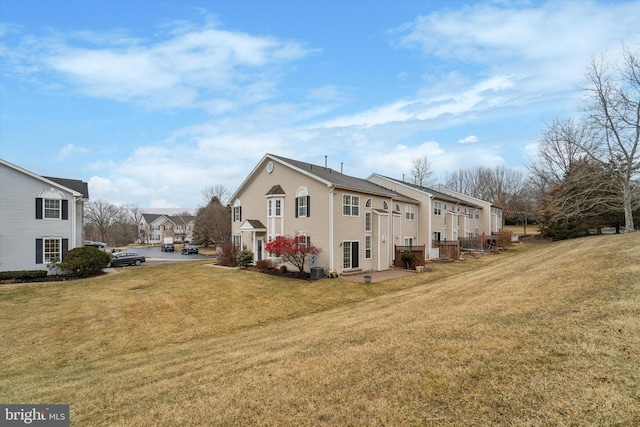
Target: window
<point x="274" y="208"/>
<point x="367" y="247"/>
<point x="368" y="203"/>
<point x="302" y="203"/>
<point x="437" y="208"/>
<point x="436" y="236"/>
<point x="237" y="241"/>
<point x="350" y="205"/>
<point x="367" y="221"/>
<point x="52" y="209"/>
<point x="385" y="205"/>
<point x="167" y="228"/>
<point x="471" y="213"/>
<point x="410" y="212"/>
<point x="302" y="206"/>
<point x="237" y="211"/>
<point x="397" y="207"/>
<point x="52" y="250"/>
<point x="408" y="241"/>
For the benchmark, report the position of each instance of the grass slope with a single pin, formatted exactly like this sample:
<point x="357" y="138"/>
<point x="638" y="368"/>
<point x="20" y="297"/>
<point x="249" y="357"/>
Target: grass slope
<point x="545" y="334"/>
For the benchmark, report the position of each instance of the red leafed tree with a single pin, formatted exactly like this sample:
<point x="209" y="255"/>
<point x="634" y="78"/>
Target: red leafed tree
<point x="293" y="250"/>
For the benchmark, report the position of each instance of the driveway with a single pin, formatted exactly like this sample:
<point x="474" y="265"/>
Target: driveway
<point x="154" y="254"/>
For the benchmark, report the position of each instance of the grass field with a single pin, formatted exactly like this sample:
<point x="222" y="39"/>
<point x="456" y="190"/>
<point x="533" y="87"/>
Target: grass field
<point x="542" y="334"/>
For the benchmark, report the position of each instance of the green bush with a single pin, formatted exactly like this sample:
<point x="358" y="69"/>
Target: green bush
<point x="23" y="275"/>
<point x="244" y="258"/>
<point x="85" y="261"/>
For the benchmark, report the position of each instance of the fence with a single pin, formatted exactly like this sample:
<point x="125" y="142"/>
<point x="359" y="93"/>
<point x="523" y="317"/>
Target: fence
<point x="448" y="249"/>
<point x="474" y="243"/>
<point x="417" y="251"/>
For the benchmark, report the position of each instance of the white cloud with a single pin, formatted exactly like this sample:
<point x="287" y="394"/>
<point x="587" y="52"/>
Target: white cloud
<point x="69" y="150"/>
<point x="186" y="69"/>
<point x="468" y="139"/>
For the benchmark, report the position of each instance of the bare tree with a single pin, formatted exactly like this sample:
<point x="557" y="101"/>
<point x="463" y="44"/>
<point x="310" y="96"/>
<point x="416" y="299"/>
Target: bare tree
<point x="218" y="192"/>
<point x="421" y="171"/>
<point x="499" y="185"/>
<point x="613" y="112"/>
<point x="100" y="215"/>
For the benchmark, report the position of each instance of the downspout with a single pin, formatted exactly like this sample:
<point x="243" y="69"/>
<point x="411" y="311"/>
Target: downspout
<point x="331" y="251"/>
<point x="74" y="222"/>
<point x="430" y="233"/>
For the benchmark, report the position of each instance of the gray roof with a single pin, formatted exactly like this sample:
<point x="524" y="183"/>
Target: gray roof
<point x="343" y="181"/>
<point x="436" y="194"/>
<point x="276" y="189"/>
<point x="72" y="184"/>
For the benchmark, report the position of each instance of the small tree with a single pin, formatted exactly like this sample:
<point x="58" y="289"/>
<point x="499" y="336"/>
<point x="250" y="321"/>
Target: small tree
<point x="293" y="250"/>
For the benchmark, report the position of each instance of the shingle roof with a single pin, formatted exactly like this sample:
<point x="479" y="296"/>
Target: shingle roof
<point x="436" y="194"/>
<point x="73" y="184"/>
<point x="343" y="181"/>
<point x="276" y="189"/>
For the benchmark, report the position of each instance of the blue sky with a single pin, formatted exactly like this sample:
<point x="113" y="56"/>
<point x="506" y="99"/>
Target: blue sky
<point x="150" y="101"/>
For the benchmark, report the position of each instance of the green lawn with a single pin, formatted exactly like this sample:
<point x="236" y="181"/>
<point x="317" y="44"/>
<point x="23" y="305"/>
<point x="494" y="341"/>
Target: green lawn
<point x="542" y="334"/>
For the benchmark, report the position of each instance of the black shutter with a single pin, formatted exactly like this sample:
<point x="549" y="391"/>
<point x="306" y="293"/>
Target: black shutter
<point x="65" y="248"/>
<point x="39" y="250"/>
<point x="308" y="206"/>
<point x="65" y="209"/>
<point x="38" y="208"/>
<point x="240" y="213"/>
<point x="355" y="251"/>
<point x="296" y="207"/>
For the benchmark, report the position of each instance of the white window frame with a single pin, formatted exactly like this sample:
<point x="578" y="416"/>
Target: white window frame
<point x="52" y="249"/>
<point x="368" y="221"/>
<point x="302" y="207"/>
<point x="367" y="246"/>
<point x="52" y="209"/>
<point x="437" y="208"/>
<point x="410" y="212"/>
<point x="350" y="205"/>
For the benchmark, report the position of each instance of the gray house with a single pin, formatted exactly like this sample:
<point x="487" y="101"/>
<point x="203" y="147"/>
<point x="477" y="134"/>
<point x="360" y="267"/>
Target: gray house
<point x="41" y="217"/>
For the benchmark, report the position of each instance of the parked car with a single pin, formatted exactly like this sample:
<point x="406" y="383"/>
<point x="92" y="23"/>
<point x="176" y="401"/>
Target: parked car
<point x="188" y="250"/>
<point x="167" y="247"/>
<point x="99" y="245"/>
<point x="127" y="258"/>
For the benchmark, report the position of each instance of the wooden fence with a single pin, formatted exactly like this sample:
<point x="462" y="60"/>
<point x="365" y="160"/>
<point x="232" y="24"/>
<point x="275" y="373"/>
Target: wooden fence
<point x="449" y="249"/>
<point x="417" y="251"/>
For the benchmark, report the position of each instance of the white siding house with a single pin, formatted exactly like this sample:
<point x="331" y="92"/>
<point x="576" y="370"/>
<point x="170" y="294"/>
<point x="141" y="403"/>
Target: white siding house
<point x="41" y="217"/>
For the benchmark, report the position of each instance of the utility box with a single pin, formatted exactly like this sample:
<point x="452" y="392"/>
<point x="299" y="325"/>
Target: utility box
<point x="317" y="273"/>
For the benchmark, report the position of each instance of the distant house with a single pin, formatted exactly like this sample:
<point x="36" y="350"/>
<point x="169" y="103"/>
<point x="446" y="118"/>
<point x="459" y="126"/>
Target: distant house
<point x="153" y="228"/>
<point x="357" y="223"/>
<point x="41" y="218"/>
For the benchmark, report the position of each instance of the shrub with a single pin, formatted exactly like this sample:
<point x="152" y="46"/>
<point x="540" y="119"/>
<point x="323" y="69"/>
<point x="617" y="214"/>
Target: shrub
<point x="227" y="252"/>
<point x="283" y="269"/>
<point x="244" y="258"/>
<point x="23" y="275"/>
<point x="85" y="261"/>
<point x="265" y="265"/>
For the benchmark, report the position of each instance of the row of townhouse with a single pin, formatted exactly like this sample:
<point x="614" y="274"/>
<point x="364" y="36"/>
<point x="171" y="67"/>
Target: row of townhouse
<point x="357" y="223"/>
<point x="41" y="217"/>
<point x="154" y="228"/>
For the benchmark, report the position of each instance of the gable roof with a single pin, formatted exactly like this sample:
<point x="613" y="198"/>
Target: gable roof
<point x="340" y="180"/>
<point x="436" y="194"/>
<point x="74" y="186"/>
